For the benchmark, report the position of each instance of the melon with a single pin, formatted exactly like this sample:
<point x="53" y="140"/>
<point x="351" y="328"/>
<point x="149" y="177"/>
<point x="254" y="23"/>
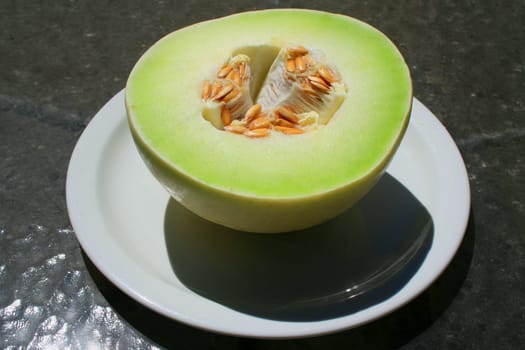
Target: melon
<point x="269" y="121"/>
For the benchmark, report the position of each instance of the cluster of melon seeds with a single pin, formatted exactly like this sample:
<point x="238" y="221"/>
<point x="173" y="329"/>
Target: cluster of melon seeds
<point x="298" y="94"/>
<point x="229" y="90"/>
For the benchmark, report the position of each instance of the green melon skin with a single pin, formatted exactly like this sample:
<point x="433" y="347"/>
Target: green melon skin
<point x="283" y="182"/>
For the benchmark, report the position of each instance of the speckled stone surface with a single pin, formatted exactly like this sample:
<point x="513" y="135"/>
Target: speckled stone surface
<point x="62" y="60"/>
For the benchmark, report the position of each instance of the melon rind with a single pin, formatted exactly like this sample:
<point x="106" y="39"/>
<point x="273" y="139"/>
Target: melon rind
<point x="279" y="183"/>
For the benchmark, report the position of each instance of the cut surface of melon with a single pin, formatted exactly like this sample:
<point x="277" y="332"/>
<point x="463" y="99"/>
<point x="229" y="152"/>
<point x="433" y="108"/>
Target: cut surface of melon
<point x="203" y="166"/>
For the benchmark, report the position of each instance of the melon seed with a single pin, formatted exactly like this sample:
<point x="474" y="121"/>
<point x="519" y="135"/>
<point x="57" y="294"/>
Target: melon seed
<point x="224" y="71"/>
<point x="206" y="90"/>
<point x="287" y="114"/>
<point x="297" y="50"/>
<point x="257" y="132"/>
<point x="288" y="131"/>
<point x="327" y="75"/>
<point x="252" y="112"/>
<point x="300" y="66"/>
<point x="235" y="128"/>
<point x="225" y="115"/>
<point x="290" y="65"/>
<point x="224" y="91"/>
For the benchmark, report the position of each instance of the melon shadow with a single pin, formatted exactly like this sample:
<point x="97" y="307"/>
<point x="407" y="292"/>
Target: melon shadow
<point x="358" y="259"/>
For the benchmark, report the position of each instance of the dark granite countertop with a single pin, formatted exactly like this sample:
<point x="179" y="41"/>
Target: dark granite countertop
<point x="62" y="60"/>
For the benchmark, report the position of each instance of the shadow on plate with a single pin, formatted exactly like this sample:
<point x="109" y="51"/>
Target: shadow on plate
<point x="352" y="262"/>
<point x="388" y="332"/>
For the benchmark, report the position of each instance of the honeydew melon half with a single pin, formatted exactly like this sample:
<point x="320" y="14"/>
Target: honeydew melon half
<point x="280" y="182"/>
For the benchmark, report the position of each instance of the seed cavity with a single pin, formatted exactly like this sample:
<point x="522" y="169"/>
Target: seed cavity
<point x="296" y="93"/>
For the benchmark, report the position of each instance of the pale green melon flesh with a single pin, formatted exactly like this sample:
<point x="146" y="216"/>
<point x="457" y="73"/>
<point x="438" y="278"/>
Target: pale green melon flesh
<point x="164" y="106"/>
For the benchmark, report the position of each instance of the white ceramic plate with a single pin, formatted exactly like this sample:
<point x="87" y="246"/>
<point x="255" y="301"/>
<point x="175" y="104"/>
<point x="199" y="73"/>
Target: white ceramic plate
<point x="118" y="211"/>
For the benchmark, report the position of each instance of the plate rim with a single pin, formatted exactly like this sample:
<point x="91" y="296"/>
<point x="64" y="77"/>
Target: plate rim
<point x="79" y="180"/>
